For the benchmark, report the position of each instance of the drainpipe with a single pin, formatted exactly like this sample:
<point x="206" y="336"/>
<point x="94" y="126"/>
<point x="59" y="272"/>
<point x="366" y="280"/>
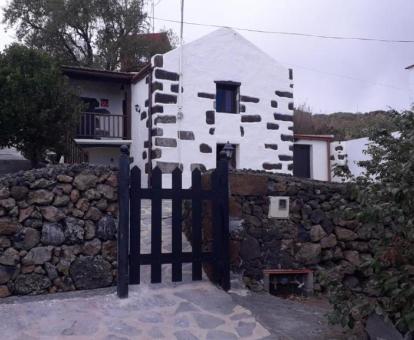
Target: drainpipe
<point x="180" y="114"/>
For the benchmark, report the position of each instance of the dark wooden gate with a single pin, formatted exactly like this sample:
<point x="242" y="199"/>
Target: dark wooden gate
<point x="131" y="193"/>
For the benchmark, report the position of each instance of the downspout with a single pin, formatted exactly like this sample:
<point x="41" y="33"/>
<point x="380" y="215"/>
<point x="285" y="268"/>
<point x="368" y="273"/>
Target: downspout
<point x="149" y="163"/>
<point x="180" y="114"/>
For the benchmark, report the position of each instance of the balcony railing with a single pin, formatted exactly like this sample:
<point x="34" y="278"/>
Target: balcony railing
<point x="101" y="126"/>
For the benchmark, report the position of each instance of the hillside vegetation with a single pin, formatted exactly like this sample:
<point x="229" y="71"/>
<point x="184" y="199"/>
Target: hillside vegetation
<point x="343" y="125"/>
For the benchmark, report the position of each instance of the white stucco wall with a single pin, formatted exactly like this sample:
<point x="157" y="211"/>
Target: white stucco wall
<point x="139" y="130"/>
<point x="319" y="158"/>
<point x="353" y="150"/>
<point x="223" y="55"/>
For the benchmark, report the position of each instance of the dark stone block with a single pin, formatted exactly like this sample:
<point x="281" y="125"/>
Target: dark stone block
<point x="251" y="118"/>
<point x="206" y="95"/>
<point x="283" y="117"/>
<point x="303" y="234"/>
<point x="285" y="158"/>
<point x="242" y="131"/>
<point x="165" y="120"/>
<point x="284" y="94"/>
<point x="166" y="142"/>
<point x="147" y="123"/>
<point x="146" y="80"/>
<point x="341" y="157"/>
<point x="146" y="144"/>
<point x="165" y="98"/>
<point x="204" y="148"/>
<point x="157" y="109"/>
<point x="159" y="60"/>
<point x="250" y="249"/>
<point x="271" y="146"/>
<point x="242" y="108"/>
<point x="290" y="147"/>
<point x="144" y="155"/>
<point x="272" y="126"/>
<point x="146" y="102"/>
<point x="168" y="167"/>
<point x="287" y="138"/>
<point x="290" y="167"/>
<point x="291" y="86"/>
<point x="91" y="273"/>
<point x="156" y="153"/>
<point x="272" y="166"/>
<point x="143" y="115"/>
<point x="290" y="128"/>
<point x="273" y="103"/>
<point x="332" y="158"/>
<point x="247" y="99"/>
<point x="291" y="106"/>
<point x="156" y="86"/>
<point x="210" y="117"/>
<point x="198" y="166"/>
<point x="211" y="131"/>
<point x="290" y="74"/>
<point x="186" y="135"/>
<point x="339" y="148"/>
<point x="163" y="74"/>
<point x="157" y="132"/>
<point x="174" y="88"/>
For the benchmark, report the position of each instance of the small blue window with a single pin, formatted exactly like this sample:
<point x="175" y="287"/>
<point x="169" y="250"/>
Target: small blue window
<point x="227" y="97"/>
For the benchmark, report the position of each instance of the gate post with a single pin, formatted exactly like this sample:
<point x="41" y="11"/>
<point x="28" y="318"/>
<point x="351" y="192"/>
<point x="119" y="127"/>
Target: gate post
<point x="123" y="227"/>
<point x="223" y="179"/>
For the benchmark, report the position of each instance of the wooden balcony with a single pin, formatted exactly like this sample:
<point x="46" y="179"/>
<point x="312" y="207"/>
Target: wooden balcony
<point x="102" y="126"/>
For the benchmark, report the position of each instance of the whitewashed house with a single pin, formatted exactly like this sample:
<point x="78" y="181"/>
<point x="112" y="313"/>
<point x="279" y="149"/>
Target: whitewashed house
<point x="231" y="92"/>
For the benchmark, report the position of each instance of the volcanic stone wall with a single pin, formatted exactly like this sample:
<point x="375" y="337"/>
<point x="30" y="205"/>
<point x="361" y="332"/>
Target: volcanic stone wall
<point x="58" y="229"/>
<point x="321" y="233"/>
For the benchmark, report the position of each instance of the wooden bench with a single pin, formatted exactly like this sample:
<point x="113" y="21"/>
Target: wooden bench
<point x="306" y="274"/>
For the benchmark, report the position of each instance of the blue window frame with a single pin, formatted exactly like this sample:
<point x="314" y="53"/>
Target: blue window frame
<point x="227" y="94"/>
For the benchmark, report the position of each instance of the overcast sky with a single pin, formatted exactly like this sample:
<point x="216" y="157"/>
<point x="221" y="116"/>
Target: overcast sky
<point x="330" y="75"/>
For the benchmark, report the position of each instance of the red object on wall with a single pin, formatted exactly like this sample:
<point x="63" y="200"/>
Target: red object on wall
<point x="104" y="102"/>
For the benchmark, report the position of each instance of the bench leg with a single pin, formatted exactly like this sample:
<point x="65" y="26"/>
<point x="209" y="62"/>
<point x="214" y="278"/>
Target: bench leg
<point x="266" y="282"/>
<point x="309" y="284"/>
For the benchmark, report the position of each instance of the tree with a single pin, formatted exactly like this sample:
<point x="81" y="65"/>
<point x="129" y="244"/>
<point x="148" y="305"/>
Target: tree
<point x="38" y="108"/>
<point x="386" y="197"/>
<point x="94" y="33"/>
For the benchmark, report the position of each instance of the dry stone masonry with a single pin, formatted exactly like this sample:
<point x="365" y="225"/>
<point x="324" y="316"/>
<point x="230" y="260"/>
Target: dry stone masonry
<point x="321" y="233"/>
<point x="58" y="229"/>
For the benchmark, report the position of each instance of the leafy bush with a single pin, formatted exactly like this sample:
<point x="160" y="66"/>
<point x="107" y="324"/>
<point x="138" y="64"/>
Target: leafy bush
<point x="386" y="196"/>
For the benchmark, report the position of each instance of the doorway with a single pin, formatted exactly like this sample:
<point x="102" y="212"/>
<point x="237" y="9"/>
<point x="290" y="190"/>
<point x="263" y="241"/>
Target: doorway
<point x="302" y="161"/>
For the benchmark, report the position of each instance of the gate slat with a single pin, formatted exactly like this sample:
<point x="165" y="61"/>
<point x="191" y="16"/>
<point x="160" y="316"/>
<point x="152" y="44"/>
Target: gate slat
<point x="217" y="237"/>
<point x="223" y="189"/>
<point x="135" y="226"/>
<point x="196" y="225"/>
<point x="176" y="226"/>
<point x="156" y="214"/>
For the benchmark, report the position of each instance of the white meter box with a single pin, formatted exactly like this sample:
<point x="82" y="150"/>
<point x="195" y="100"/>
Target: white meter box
<point x="279" y="207"/>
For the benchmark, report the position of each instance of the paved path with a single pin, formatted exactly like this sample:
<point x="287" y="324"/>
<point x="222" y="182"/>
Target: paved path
<point x="183" y="311"/>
